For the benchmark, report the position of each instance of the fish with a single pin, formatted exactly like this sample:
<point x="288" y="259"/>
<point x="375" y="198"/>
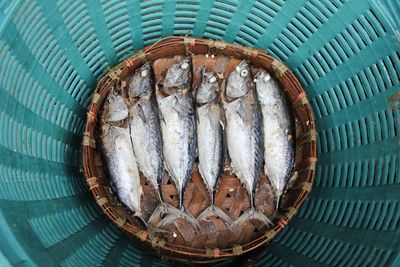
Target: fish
<point x="118" y="153"/>
<point x="244" y="134"/>
<point x="144" y="125"/>
<point x="210" y="138"/>
<point x="178" y="125"/>
<point x="278" y="131"/>
<point x="145" y="134"/>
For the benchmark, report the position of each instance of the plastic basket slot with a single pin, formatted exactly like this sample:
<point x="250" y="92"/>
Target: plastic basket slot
<point x="66" y="223"/>
<point x="23" y="83"/>
<point x="95" y="250"/>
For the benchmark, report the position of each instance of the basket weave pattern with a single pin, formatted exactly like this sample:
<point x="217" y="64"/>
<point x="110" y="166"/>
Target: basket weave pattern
<point x="299" y="186"/>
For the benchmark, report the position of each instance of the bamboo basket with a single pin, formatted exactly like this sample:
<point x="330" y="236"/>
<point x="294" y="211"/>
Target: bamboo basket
<point x="298" y="188"/>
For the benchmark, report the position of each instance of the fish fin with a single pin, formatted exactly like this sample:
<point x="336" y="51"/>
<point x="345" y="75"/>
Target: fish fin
<point x="215" y="211"/>
<point x="261" y="217"/>
<point x="157" y="213"/>
<point x="168" y="220"/>
<point x="161" y="116"/>
<point x="176" y="214"/>
<point x="189" y="218"/>
<point x="222" y="125"/>
<point x="141" y="113"/>
<point x="241" y="110"/>
<point x="161" y="211"/>
<point x="252" y="214"/>
<point x="178" y="108"/>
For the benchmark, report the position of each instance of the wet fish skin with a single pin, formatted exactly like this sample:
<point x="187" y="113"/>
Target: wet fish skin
<point x="144" y="127"/>
<point x="210" y="137"/>
<point x="209" y="129"/>
<point x="243" y="127"/>
<point x="278" y="131"/>
<point x="244" y="135"/>
<point x="119" y="157"/>
<point x="178" y="127"/>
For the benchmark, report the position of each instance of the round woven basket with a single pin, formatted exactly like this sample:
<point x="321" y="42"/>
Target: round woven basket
<point x="345" y="54"/>
<point x="300" y="184"/>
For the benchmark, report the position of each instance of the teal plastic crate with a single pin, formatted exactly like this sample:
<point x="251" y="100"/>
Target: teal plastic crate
<point x="345" y="53"/>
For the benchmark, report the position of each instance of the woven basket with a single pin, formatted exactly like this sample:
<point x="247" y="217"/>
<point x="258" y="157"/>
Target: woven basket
<point x="345" y="54"/>
<point x="194" y="200"/>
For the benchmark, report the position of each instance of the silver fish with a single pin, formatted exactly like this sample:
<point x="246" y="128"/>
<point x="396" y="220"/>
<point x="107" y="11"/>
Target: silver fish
<point x="210" y="138"/>
<point x="178" y="128"/>
<point x="178" y="124"/>
<point x="278" y="132"/>
<point x="144" y="125"/>
<point x="145" y="133"/>
<point x="118" y="154"/>
<point x="244" y="134"/>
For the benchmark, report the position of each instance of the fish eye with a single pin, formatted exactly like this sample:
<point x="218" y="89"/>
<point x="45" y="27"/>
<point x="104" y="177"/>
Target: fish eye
<point x="267" y="78"/>
<point x="212" y="79"/>
<point x="144" y="73"/>
<point x="184" y="66"/>
<point x="244" y="73"/>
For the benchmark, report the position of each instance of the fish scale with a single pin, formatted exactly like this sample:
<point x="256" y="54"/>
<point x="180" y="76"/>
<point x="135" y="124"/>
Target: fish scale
<point x="144" y="125"/>
<point x="279" y="131"/>
<point x="244" y="135"/>
<point x="178" y="123"/>
<point x="210" y="139"/>
<point x="245" y="142"/>
<point x="119" y="157"/>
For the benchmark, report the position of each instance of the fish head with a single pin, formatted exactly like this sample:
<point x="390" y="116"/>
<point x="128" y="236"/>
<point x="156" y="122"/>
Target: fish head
<point x="209" y="88"/>
<point x="115" y="106"/>
<point x="179" y="75"/>
<point x="141" y="81"/>
<point x="265" y="87"/>
<point x="262" y="76"/>
<point x="239" y="81"/>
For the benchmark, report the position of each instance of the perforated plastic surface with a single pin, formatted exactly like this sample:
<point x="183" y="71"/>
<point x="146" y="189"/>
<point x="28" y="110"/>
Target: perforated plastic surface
<point x="345" y="53"/>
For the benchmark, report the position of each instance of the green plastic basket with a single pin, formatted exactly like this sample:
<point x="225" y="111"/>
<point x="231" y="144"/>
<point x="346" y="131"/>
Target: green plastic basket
<point x="345" y="53"/>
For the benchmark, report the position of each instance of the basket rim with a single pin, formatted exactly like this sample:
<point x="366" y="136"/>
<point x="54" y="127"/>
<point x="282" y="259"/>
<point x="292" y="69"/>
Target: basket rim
<point x="188" y="46"/>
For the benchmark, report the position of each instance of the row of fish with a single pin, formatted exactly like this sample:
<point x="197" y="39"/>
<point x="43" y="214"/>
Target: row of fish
<point x="168" y="125"/>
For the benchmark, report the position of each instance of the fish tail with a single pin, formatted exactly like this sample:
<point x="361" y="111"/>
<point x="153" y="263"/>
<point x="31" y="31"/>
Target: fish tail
<point x="138" y="215"/>
<point x="215" y="211"/>
<point x="157" y="214"/>
<point x="180" y="214"/>
<point x="168" y="214"/>
<point x="252" y="214"/>
<point x="189" y="218"/>
<point x="162" y="210"/>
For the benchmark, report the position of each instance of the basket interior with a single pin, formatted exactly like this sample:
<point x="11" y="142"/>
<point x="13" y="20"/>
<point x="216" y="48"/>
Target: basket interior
<point x="345" y="54"/>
